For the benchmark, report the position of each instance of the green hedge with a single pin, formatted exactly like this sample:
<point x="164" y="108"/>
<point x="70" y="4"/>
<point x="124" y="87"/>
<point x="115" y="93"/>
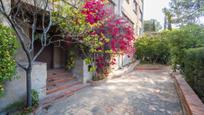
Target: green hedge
<point x="8" y="47"/>
<point x="152" y="49"/>
<point x="190" y="36"/>
<point x="194" y="69"/>
<point x="169" y="46"/>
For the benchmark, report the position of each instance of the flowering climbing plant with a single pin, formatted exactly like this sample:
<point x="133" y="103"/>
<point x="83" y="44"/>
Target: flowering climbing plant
<point x="93" y="24"/>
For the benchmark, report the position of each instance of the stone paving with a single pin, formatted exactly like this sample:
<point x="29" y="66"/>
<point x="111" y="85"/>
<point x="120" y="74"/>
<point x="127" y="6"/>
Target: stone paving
<point x="141" y="92"/>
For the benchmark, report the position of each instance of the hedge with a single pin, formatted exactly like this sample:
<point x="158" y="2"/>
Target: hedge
<point x="152" y="49"/>
<point x="8" y="47"/>
<point x="194" y="69"/>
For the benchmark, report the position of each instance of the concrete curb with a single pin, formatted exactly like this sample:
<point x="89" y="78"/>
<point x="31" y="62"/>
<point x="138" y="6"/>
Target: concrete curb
<point x="191" y="103"/>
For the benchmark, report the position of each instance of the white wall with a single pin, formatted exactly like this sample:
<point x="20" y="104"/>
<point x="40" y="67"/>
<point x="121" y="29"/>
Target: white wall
<point x="15" y="90"/>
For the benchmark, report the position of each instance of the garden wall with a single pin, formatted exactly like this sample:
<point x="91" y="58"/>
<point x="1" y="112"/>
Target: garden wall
<point x="15" y="90"/>
<point x="80" y="71"/>
<point x="191" y="103"/>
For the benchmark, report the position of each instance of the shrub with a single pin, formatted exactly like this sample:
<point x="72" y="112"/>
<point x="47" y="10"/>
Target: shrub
<point x="194" y="69"/>
<point x="35" y="98"/>
<point x="7" y="50"/>
<point x="169" y="46"/>
<point x="152" y="48"/>
<point x="190" y="36"/>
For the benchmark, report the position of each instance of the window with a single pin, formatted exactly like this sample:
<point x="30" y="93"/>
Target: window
<point x="135" y="6"/>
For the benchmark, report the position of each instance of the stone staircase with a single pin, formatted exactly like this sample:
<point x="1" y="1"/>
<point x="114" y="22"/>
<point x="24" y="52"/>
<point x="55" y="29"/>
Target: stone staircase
<point x="61" y="84"/>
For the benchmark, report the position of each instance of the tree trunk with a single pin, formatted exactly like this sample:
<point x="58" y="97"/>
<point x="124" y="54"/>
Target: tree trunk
<point x="169" y="26"/>
<point x="165" y="22"/>
<point x="28" y="87"/>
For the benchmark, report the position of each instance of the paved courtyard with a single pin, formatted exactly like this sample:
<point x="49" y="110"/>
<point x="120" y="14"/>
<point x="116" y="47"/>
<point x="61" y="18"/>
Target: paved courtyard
<point x="145" y="91"/>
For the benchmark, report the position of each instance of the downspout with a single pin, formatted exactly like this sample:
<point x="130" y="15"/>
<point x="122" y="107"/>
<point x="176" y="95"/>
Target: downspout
<point x="120" y="7"/>
<point x="142" y="16"/>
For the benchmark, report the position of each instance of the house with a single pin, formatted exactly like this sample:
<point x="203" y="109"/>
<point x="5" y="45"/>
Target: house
<point x="48" y="75"/>
<point x="132" y="10"/>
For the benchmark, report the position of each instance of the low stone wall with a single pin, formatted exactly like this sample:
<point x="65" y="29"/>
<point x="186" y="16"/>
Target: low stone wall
<point x="80" y="71"/>
<point x="15" y="90"/>
<point x="191" y="103"/>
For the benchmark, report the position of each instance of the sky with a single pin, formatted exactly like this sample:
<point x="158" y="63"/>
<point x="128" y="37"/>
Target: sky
<point x="153" y="9"/>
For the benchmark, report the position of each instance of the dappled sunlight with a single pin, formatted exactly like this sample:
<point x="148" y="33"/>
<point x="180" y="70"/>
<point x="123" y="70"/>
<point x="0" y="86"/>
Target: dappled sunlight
<point x="133" y="92"/>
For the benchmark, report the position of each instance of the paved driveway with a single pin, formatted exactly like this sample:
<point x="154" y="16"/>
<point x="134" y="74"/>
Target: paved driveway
<point x="145" y="91"/>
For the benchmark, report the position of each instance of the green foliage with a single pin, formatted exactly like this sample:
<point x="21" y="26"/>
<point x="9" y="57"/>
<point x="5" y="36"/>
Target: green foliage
<point x="35" y="98"/>
<point x="70" y="19"/>
<point x="71" y="60"/>
<point x="88" y="60"/>
<point x="8" y="47"/>
<point x="168" y="19"/>
<point x="152" y="25"/>
<point x="190" y="36"/>
<point x="92" y="69"/>
<point x="194" y="69"/>
<point x="186" y="11"/>
<point x="152" y="49"/>
<point x="169" y="45"/>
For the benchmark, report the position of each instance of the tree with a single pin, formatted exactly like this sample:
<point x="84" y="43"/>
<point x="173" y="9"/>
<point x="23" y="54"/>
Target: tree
<point x="95" y="26"/>
<point x="165" y="22"/>
<point x="167" y="19"/>
<point x="186" y="11"/>
<point x="37" y="16"/>
<point x="151" y="25"/>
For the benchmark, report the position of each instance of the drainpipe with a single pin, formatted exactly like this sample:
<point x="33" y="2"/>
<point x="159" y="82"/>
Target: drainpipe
<point x="120" y="7"/>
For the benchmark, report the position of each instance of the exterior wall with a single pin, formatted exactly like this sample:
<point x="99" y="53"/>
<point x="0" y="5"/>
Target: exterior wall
<point x="80" y="71"/>
<point x="87" y="76"/>
<point x="15" y="90"/>
<point x="58" y="58"/>
<point x="134" y="14"/>
<point x="124" y="8"/>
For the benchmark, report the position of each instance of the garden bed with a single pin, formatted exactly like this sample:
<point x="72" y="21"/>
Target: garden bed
<point x="191" y="103"/>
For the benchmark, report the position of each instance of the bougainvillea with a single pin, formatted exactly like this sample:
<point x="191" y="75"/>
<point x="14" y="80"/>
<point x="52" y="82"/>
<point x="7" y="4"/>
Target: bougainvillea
<point x="94" y="10"/>
<point x="117" y="29"/>
<point x="103" y="32"/>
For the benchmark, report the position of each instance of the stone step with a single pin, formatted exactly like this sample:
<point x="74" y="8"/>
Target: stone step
<point x="55" y="82"/>
<point x="56" y="70"/>
<point x="62" y="94"/>
<point x="63" y="86"/>
<point x="58" y="75"/>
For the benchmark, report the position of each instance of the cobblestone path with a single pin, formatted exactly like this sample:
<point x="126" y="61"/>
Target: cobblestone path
<point x="148" y="90"/>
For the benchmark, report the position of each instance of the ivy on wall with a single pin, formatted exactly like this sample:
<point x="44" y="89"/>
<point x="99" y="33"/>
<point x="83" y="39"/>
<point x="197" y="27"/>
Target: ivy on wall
<point x="8" y="47"/>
